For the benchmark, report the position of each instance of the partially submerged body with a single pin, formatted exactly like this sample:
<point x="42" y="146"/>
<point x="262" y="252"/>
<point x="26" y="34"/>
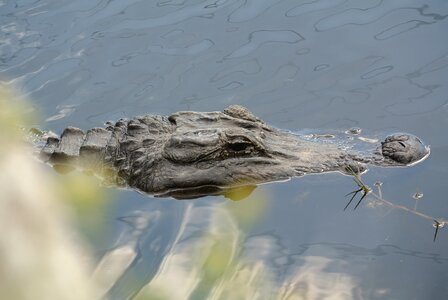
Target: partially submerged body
<point x="192" y="154"/>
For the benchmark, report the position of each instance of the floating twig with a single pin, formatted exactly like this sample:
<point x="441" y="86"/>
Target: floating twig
<point x="365" y="190"/>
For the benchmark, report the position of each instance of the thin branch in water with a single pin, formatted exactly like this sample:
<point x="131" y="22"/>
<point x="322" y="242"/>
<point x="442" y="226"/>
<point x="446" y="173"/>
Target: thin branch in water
<point x="438" y="223"/>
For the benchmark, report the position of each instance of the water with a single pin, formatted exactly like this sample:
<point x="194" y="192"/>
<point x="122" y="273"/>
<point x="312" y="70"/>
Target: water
<point x="378" y="65"/>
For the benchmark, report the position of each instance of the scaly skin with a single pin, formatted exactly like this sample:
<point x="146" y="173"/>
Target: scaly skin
<point x="192" y="154"/>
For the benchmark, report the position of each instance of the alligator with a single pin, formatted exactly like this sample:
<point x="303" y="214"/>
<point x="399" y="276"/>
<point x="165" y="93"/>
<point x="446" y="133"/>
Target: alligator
<point x="192" y="154"/>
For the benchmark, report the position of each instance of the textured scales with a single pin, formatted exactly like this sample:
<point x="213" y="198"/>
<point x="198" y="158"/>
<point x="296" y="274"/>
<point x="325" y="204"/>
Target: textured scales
<point x="192" y="154"/>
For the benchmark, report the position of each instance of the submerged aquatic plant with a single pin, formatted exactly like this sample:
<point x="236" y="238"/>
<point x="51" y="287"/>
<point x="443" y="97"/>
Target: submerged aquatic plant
<point x="363" y="188"/>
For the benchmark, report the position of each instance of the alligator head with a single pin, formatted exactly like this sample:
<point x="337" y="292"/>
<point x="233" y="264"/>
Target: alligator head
<point x="192" y="154"/>
<point x="208" y="153"/>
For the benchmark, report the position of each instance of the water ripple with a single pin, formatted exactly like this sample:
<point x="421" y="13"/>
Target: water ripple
<point x="177" y="16"/>
<point x="314" y="6"/>
<point x="259" y="38"/>
<point x="376" y="72"/>
<point x="231" y="85"/>
<point x="251" y="9"/>
<point x="249" y="67"/>
<point x="188" y="50"/>
<point x="375" y="13"/>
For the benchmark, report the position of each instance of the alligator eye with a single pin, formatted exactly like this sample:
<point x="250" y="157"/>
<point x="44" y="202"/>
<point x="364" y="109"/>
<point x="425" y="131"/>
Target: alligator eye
<point x="172" y="120"/>
<point x="239" y="146"/>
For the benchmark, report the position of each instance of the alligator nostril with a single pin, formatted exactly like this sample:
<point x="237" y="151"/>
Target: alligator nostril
<point x="404" y="149"/>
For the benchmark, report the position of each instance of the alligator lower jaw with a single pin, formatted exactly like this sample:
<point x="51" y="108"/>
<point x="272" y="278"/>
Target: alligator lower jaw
<point x="235" y="193"/>
<point x="200" y="191"/>
<point x="191" y="193"/>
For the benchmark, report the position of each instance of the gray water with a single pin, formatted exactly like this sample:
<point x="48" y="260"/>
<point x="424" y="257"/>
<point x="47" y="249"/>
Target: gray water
<point x="378" y="65"/>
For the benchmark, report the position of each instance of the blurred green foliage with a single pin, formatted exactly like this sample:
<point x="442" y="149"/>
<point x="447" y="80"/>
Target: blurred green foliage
<point x="15" y="114"/>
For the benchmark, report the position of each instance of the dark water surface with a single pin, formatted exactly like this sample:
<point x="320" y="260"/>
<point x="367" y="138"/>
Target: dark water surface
<point x="327" y="64"/>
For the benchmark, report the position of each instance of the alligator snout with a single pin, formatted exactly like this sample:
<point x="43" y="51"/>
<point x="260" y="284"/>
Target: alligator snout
<point x="404" y="149"/>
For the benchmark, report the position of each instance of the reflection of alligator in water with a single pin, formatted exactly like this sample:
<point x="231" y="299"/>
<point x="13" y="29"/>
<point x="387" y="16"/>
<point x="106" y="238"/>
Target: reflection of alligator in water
<point x="191" y="154"/>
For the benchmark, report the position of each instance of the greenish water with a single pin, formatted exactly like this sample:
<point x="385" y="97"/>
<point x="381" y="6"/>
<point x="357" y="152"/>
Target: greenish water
<point x="331" y="65"/>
